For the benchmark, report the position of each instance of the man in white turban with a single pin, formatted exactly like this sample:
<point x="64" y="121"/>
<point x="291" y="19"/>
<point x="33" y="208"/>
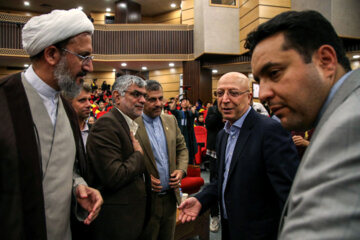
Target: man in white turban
<point x="43" y="164"/>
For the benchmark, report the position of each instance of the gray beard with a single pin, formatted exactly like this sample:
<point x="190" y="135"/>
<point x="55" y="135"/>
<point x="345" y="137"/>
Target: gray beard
<point x="66" y="82"/>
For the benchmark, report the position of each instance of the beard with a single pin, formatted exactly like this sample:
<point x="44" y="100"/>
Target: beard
<point x="66" y="81"/>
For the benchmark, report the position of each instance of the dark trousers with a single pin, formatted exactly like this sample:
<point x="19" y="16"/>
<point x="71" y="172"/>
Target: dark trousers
<point x="214" y="209"/>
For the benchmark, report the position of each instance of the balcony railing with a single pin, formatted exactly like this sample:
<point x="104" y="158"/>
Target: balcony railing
<point x="115" y="41"/>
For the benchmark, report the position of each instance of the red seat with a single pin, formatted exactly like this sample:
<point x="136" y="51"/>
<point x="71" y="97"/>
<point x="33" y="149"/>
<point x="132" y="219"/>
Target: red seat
<point x="193" y="181"/>
<point x="201" y="135"/>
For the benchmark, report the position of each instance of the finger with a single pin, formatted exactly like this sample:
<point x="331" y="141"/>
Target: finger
<point x="81" y="191"/>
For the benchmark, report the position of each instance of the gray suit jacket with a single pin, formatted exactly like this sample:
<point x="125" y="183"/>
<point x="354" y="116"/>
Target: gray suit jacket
<point x="324" y="202"/>
<point x="178" y="153"/>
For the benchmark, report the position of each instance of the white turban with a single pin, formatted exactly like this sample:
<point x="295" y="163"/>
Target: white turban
<point x="45" y="30"/>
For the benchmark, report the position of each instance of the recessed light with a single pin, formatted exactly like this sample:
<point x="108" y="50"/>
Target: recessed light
<point x="214" y="71"/>
<point x="171" y="64"/>
<point x="144" y="68"/>
<point x="173" y="5"/>
<point x="356" y="56"/>
<point x="107" y="14"/>
<point x="122" y="5"/>
<point x="123" y="64"/>
<point x="80" y="8"/>
<point x="26" y="65"/>
<point x="250" y="75"/>
<point x="108" y="9"/>
<point x="114" y="70"/>
<point x="26" y="3"/>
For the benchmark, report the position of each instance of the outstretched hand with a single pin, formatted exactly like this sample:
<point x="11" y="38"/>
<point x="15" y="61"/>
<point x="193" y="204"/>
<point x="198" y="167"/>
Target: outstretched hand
<point x="189" y="210"/>
<point x="89" y="199"/>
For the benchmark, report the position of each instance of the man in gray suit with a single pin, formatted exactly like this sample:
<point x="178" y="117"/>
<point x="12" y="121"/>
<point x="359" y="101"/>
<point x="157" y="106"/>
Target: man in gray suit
<point x="307" y="81"/>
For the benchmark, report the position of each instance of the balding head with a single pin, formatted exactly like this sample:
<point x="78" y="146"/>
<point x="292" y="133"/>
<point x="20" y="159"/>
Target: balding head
<point x="233" y="96"/>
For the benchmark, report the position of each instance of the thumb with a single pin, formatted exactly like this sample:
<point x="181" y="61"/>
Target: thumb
<point x="81" y="191"/>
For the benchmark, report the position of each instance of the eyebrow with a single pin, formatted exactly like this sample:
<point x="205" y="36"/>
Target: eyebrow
<point x="264" y="69"/>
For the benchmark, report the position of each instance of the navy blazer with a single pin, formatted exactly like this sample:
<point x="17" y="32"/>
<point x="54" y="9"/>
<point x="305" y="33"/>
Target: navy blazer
<point x="262" y="169"/>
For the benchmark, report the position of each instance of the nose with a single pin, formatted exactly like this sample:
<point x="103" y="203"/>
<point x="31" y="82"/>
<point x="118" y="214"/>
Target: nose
<point x="225" y="97"/>
<point x="265" y="91"/>
<point x="142" y="99"/>
<point x="88" y="66"/>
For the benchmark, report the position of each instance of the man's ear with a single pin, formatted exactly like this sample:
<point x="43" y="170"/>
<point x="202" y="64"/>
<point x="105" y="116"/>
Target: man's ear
<point x="52" y="55"/>
<point x="326" y="59"/>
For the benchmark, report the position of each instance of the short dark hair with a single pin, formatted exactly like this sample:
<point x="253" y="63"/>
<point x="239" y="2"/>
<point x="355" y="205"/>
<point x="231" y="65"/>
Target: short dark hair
<point x="152" y="85"/>
<point x="304" y="31"/>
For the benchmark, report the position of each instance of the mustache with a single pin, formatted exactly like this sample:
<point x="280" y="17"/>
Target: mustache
<point x="81" y="74"/>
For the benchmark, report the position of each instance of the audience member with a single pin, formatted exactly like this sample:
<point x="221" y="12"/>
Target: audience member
<point x="185" y="119"/>
<point x="42" y="156"/>
<point x="306" y="78"/>
<point x="166" y="160"/>
<point x="81" y="104"/>
<point x="117" y="165"/>
<point x="257" y="163"/>
<point x="200" y="120"/>
<point x="301" y="140"/>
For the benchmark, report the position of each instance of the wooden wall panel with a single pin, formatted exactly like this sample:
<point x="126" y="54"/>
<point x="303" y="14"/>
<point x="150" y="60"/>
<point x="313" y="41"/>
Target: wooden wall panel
<point x="255" y="12"/>
<point x="163" y="18"/>
<point x="109" y="77"/>
<point x="4" y="72"/>
<point x="169" y="79"/>
<point x="187" y="13"/>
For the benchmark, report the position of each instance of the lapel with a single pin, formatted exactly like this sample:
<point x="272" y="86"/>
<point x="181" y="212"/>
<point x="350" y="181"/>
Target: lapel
<point x="122" y="121"/>
<point x="221" y="155"/>
<point x="146" y="145"/>
<point x="168" y="136"/>
<point x="242" y="141"/>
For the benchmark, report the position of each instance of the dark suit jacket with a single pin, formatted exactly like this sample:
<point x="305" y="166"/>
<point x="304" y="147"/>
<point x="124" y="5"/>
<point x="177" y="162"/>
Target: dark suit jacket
<point x="118" y="172"/>
<point x="261" y="172"/>
<point x="21" y="194"/>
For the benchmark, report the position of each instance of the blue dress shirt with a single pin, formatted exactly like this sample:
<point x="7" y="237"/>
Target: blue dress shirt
<point x="234" y="132"/>
<point x="155" y="132"/>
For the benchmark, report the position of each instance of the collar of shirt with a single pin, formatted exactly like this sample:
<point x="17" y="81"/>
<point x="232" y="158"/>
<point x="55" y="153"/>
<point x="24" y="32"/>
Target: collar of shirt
<point x="150" y="119"/>
<point x="230" y="128"/>
<point x="39" y="85"/>
<point x="49" y="95"/>
<point x="86" y="128"/>
<point x="131" y="123"/>
<point x="332" y="92"/>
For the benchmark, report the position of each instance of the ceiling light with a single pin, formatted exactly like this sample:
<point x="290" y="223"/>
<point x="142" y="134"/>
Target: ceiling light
<point x="173" y="5"/>
<point x="214" y="71"/>
<point x="356" y="56"/>
<point x="107" y="14"/>
<point x="122" y="5"/>
<point x="123" y="64"/>
<point x="26" y="65"/>
<point x="108" y="9"/>
<point x="144" y="68"/>
<point x="171" y="64"/>
<point x="26" y="3"/>
<point x="114" y="70"/>
<point x="80" y="8"/>
<point x="250" y="75"/>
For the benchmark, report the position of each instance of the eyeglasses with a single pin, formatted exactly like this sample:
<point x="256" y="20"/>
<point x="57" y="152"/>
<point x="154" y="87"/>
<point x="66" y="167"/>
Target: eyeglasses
<point x="231" y="93"/>
<point x="137" y="94"/>
<point x="85" y="59"/>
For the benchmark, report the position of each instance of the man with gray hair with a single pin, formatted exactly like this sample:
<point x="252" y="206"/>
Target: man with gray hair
<point x="42" y="155"/>
<point x="166" y="159"/>
<point x="117" y="164"/>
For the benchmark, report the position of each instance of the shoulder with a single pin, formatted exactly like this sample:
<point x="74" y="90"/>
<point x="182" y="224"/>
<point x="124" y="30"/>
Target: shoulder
<point x="10" y="79"/>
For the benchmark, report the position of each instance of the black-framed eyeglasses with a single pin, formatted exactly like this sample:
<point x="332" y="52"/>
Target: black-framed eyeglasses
<point x="136" y="94"/>
<point x="85" y="59"/>
<point x="231" y="93"/>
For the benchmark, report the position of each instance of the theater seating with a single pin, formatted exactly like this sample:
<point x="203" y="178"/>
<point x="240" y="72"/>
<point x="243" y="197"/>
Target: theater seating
<point x="201" y="135"/>
<point x="193" y="181"/>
